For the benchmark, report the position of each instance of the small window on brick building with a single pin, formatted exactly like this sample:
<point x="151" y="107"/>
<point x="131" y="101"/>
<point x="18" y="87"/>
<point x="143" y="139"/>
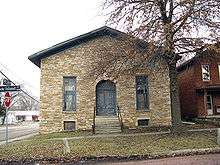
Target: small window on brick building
<point x="205" y="73"/>
<point x="69" y="125"/>
<point x="143" y="122"/>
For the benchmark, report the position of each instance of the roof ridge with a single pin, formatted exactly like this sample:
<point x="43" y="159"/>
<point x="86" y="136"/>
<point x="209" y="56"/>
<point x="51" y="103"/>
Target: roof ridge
<point x="104" y="30"/>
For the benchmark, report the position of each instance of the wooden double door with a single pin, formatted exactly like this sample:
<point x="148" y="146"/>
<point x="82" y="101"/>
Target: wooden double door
<point x="105" y="98"/>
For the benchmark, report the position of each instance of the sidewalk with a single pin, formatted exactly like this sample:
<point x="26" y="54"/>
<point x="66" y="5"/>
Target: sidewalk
<point x="129" y="134"/>
<point x="209" y="159"/>
<point x="25" y="138"/>
<point x="18" y="132"/>
<point x="19" y="138"/>
<point x="25" y="124"/>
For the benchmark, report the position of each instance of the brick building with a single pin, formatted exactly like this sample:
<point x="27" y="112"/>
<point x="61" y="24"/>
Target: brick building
<point x="199" y="84"/>
<point x="70" y="99"/>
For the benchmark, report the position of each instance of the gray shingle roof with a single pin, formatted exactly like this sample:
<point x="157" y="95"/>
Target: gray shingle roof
<point x="103" y="31"/>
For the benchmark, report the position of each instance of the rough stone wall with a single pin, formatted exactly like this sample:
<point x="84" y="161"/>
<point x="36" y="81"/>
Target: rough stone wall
<point x="77" y="62"/>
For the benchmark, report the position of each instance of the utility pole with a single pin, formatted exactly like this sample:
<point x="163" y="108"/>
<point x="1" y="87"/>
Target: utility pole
<point x="6" y="125"/>
<point x="7" y="103"/>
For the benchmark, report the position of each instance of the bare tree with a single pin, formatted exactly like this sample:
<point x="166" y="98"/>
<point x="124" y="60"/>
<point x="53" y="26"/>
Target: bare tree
<point x="27" y="103"/>
<point x="174" y="27"/>
<point x="22" y="100"/>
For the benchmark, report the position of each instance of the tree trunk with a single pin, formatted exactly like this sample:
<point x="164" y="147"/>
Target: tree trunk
<point x="175" y="102"/>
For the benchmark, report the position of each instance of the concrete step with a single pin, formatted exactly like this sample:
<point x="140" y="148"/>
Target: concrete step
<point x="106" y="119"/>
<point x="107" y="125"/>
<point x="108" y="130"/>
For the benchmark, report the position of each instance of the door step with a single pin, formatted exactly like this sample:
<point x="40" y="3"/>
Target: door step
<point x="107" y="125"/>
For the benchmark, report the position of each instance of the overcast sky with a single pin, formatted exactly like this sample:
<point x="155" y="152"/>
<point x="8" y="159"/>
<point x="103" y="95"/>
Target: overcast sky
<point x="28" y="26"/>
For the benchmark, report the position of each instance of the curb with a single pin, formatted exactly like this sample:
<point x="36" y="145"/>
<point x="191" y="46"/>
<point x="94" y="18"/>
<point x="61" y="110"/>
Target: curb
<point x="177" y="153"/>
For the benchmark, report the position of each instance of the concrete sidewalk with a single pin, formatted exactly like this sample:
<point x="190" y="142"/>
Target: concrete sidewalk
<point x="129" y="134"/>
<point x="210" y="159"/>
<point x="18" y="132"/>
<point x="25" y="124"/>
<point x="105" y="135"/>
<point x="19" y="138"/>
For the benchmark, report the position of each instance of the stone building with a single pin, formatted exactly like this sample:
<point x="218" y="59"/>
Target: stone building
<point x="72" y="99"/>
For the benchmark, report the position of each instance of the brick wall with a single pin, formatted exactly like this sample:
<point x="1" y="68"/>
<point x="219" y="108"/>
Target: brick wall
<point x="187" y="92"/>
<point x="213" y="64"/>
<point x="190" y="79"/>
<point x="199" y="83"/>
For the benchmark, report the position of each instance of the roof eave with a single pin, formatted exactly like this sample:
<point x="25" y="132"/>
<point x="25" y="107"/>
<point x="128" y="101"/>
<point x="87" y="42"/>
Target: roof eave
<point x="36" y="58"/>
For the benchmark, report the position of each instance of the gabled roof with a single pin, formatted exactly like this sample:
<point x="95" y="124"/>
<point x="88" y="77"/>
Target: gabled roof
<point x="187" y="63"/>
<point x="103" y="31"/>
<point x="203" y="52"/>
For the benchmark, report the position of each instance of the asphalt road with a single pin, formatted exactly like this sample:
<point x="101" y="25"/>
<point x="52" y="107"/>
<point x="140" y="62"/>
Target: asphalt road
<point x="210" y="159"/>
<point x="19" y="130"/>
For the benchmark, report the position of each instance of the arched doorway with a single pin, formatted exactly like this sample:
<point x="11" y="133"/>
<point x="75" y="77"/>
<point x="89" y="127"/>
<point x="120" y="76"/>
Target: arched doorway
<point x="105" y="98"/>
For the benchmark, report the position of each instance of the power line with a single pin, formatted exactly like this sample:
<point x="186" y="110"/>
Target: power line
<point x="21" y="89"/>
<point x="17" y="77"/>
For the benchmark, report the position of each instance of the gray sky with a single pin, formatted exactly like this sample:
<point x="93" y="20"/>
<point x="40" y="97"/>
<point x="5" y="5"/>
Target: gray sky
<point x="28" y="26"/>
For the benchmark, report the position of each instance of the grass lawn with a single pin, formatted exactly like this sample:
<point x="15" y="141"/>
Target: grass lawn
<point x="34" y="149"/>
<point x="141" y="145"/>
<point x="39" y="147"/>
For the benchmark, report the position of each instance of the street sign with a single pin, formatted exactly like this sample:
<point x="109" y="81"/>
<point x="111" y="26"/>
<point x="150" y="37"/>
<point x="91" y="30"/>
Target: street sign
<point x="10" y="88"/>
<point x="7" y="100"/>
<point x="6" y="82"/>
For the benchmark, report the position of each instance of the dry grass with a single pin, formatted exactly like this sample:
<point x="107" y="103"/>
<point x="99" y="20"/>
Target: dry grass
<point x="141" y="145"/>
<point x="31" y="150"/>
<point x="106" y="146"/>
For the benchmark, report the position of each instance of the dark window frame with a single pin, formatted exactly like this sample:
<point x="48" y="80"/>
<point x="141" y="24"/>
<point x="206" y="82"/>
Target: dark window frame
<point x="65" y="125"/>
<point x="146" y="97"/>
<point x="209" y="72"/>
<point x="143" y="122"/>
<point x="74" y="97"/>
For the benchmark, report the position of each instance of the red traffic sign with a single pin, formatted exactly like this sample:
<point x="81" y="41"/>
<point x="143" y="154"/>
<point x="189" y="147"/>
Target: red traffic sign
<point x="7" y="100"/>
